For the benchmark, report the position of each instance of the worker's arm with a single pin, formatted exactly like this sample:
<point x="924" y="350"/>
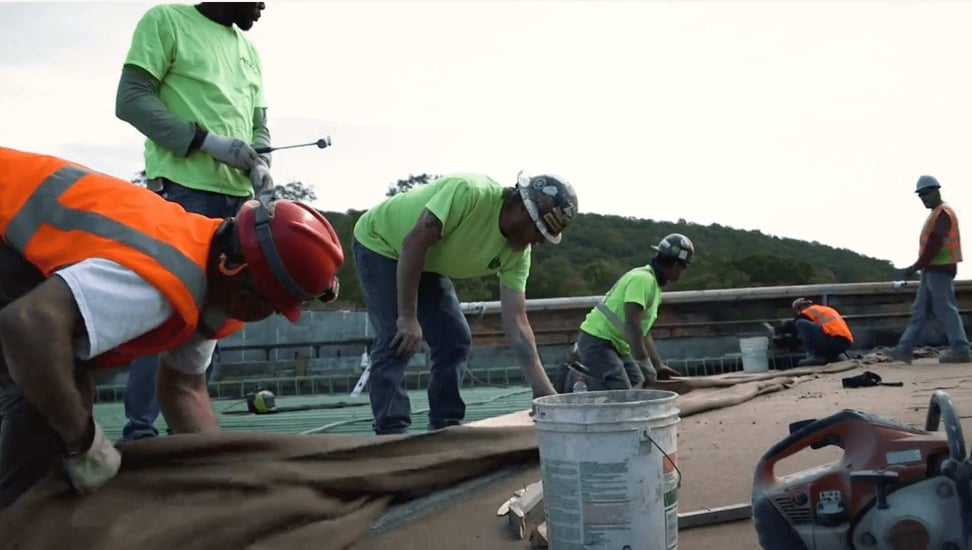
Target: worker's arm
<point x="664" y="371"/>
<point x="943" y="224"/>
<point x="411" y="261"/>
<point x="633" y="313"/>
<point x="37" y="333"/>
<point x="519" y="336"/>
<point x="181" y="386"/>
<point x="137" y="102"/>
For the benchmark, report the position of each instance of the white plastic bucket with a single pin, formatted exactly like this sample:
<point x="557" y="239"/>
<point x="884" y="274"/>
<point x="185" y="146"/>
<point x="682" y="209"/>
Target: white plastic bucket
<point x="754" y="353"/>
<point x="607" y="483"/>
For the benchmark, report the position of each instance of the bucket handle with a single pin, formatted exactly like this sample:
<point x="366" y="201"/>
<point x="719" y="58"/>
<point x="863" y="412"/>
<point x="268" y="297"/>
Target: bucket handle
<point x="646" y="434"/>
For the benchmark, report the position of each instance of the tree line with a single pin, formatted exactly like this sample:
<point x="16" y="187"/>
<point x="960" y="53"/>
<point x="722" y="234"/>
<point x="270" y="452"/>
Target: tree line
<point x="600" y="248"/>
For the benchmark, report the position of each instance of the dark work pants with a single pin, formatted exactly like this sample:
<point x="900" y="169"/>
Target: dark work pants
<point x="29" y="448"/>
<point x="817" y="342"/>
<point x="444" y="328"/>
<point x="609" y="369"/>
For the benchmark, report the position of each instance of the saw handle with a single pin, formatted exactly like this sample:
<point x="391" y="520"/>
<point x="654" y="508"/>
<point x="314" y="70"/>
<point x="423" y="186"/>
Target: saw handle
<point x="941" y="408"/>
<point x="805" y="434"/>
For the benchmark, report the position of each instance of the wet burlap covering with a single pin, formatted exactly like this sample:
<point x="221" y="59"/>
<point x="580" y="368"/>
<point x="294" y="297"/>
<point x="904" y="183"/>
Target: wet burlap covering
<point x="254" y="490"/>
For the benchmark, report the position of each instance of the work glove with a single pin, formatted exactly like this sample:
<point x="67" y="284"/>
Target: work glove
<point x="232" y="151"/>
<point x="92" y="468"/>
<point x="261" y="179"/>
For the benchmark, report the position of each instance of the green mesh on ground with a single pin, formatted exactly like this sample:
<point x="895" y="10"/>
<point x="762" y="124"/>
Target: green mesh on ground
<point x="482" y="402"/>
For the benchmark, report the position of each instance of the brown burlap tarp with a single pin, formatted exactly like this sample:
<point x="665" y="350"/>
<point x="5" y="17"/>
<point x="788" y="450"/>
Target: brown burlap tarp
<point x="262" y="491"/>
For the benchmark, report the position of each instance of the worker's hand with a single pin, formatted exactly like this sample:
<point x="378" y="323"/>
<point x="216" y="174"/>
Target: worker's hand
<point x="408" y="337"/>
<point x="666" y="373"/>
<point x="232" y="151"/>
<point x="93" y="468"/>
<point x="261" y="179"/>
<point x="649" y="372"/>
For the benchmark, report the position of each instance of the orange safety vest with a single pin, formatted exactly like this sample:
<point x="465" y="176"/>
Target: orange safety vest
<point x="56" y="213"/>
<point x="828" y="318"/>
<point x="951" y="251"/>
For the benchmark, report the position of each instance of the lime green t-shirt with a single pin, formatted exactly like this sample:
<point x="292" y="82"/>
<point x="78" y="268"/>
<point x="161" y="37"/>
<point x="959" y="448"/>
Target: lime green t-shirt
<point x="210" y="74"/>
<point x="638" y="285"/>
<point x="468" y="205"/>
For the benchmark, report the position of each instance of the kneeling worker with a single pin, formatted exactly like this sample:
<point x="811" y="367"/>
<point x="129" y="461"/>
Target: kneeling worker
<point x="824" y="333"/>
<point x="615" y="343"/>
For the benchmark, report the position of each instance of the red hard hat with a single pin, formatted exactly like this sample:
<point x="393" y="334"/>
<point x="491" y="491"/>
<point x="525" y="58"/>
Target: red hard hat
<point x="291" y="250"/>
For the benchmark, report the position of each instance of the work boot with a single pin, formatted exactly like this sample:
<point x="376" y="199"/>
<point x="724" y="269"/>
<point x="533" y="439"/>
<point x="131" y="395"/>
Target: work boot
<point x="897" y="354"/>
<point x="812" y="361"/>
<point x="952" y="356"/>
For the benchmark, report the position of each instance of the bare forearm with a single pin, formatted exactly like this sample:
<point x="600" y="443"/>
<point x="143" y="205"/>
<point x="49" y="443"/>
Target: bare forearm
<point x="408" y="273"/>
<point x="656" y="359"/>
<point x="36" y="337"/>
<point x="44" y="370"/>
<point x="524" y="346"/>
<point x="636" y="341"/>
<point x="185" y="403"/>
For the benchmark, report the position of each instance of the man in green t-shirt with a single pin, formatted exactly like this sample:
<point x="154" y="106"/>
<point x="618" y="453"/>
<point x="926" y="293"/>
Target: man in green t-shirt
<point x="615" y="343"/>
<point x="191" y="83"/>
<point x="407" y="248"/>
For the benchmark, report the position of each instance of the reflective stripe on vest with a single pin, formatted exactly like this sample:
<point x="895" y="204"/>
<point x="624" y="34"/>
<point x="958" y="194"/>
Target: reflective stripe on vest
<point x="951" y="251"/>
<point x="43" y="208"/>
<point x="615" y="320"/>
<point x="829" y="320"/>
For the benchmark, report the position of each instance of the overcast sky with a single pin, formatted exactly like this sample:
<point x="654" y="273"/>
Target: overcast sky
<point x="806" y="120"/>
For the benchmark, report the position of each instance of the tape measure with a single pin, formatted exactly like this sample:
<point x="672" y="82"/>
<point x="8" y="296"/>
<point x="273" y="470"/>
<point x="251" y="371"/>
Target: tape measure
<point x="261" y="402"/>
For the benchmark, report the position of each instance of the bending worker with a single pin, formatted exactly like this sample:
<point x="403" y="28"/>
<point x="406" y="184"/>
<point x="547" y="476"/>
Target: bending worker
<point x="615" y="343"/>
<point x="824" y="333"/>
<point x="407" y="248"/>
<point x="95" y="271"/>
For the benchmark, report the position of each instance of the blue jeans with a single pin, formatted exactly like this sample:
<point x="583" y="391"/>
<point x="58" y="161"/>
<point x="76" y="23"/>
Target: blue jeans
<point x="935" y="296"/>
<point x="817" y="342"/>
<point x="141" y="405"/>
<point x="445" y="330"/>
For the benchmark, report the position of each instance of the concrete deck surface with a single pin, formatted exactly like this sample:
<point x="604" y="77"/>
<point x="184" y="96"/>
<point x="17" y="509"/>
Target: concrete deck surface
<point x="717" y="453"/>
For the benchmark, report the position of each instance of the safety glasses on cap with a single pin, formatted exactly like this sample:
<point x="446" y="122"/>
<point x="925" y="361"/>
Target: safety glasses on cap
<point x="523" y="186"/>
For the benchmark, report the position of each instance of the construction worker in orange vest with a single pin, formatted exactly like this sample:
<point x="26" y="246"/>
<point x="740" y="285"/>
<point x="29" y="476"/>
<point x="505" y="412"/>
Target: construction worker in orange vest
<point x="95" y="271"/>
<point x="939" y="252"/>
<point x="824" y="333"/>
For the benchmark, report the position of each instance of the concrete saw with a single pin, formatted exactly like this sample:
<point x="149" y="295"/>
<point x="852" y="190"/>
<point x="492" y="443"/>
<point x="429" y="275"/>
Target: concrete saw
<point x="895" y="488"/>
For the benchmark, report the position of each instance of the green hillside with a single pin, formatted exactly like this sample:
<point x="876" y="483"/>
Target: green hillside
<point x="597" y="249"/>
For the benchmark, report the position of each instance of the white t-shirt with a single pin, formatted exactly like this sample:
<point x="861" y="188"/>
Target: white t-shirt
<point x="118" y="305"/>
